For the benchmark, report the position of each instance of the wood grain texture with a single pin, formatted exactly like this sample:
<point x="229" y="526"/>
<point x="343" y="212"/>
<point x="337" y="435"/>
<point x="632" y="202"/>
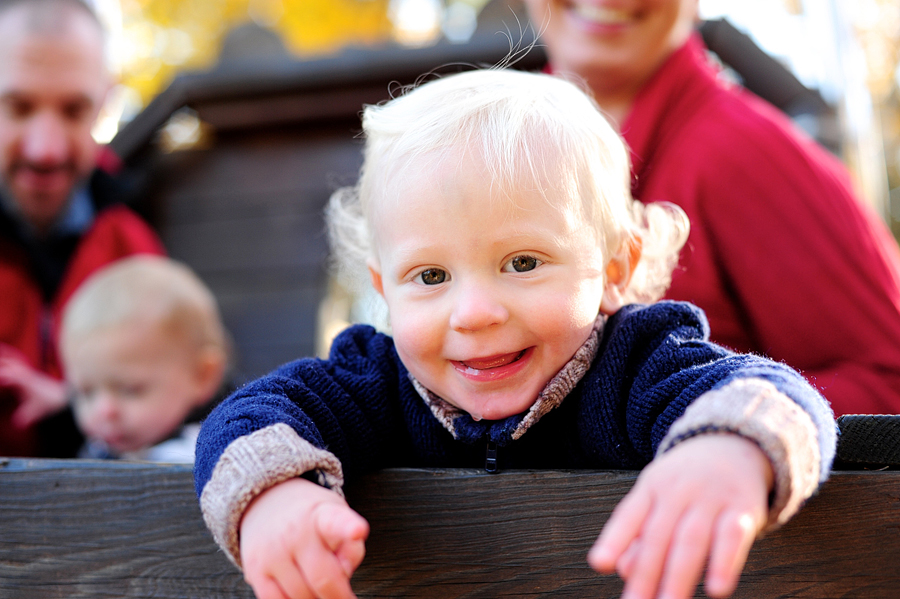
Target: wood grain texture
<point x="85" y="529"/>
<point x="81" y="529"/>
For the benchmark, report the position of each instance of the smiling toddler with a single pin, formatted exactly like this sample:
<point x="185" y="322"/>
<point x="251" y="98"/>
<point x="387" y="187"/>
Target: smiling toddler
<point x="493" y="216"/>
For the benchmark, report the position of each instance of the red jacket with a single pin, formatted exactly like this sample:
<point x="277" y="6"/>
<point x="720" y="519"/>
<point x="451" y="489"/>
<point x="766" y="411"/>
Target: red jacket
<point x="782" y="256"/>
<point x="115" y="233"/>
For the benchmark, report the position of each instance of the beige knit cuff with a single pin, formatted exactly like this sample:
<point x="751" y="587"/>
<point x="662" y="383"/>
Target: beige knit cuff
<point x="756" y="410"/>
<point x="252" y="464"/>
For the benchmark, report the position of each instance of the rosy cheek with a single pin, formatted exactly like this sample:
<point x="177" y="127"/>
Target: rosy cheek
<point x="418" y="343"/>
<point x="410" y="344"/>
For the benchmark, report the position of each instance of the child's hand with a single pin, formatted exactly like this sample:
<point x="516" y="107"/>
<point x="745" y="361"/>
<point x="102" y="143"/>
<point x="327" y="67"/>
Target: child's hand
<point x="300" y="541"/>
<point x="39" y="394"/>
<point x="706" y="497"/>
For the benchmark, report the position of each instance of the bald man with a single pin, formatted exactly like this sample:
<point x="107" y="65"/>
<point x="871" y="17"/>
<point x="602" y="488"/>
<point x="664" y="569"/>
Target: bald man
<point x="59" y="218"/>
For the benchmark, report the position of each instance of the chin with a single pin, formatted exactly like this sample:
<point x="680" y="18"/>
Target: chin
<point x="496" y="412"/>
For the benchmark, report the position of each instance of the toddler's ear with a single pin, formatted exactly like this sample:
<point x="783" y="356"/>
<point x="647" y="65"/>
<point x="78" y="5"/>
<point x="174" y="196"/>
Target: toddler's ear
<point x="209" y="373"/>
<point x="375" y="275"/>
<point x="618" y="274"/>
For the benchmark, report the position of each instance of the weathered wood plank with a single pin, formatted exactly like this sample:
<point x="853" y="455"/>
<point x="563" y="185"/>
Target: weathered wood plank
<point x="84" y="529"/>
<point x="524" y="534"/>
<point x="81" y="529"/>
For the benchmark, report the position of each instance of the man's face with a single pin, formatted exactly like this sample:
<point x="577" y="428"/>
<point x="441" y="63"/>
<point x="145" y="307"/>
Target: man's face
<point x="52" y="85"/>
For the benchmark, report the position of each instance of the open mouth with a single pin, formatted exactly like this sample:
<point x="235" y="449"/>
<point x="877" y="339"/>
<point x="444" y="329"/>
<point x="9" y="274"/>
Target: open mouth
<point x="482" y="366"/>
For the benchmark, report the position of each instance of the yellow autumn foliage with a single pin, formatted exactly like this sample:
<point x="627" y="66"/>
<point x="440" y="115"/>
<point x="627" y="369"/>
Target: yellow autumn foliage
<point x="162" y="37"/>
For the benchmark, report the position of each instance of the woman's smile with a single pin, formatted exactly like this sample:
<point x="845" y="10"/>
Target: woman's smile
<point x="601" y="15"/>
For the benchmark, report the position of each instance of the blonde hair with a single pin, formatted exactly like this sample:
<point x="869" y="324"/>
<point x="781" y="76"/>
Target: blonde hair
<point x="530" y="130"/>
<point x="151" y="289"/>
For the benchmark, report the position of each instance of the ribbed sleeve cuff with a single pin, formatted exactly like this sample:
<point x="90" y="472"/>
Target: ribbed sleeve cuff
<point x="252" y="464"/>
<point x="756" y="410"/>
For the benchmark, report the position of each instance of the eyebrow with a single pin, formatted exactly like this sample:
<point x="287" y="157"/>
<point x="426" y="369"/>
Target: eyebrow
<point x="10" y="95"/>
<point x="19" y="95"/>
<point x="406" y="254"/>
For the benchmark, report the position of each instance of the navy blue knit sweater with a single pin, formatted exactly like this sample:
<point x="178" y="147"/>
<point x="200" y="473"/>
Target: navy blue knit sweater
<point x="361" y="406"/>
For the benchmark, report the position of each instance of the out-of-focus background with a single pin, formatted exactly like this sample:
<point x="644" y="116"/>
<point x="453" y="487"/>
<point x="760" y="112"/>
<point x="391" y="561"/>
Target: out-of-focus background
<point x="848" y="50"/>
<point x="236" y="119"/>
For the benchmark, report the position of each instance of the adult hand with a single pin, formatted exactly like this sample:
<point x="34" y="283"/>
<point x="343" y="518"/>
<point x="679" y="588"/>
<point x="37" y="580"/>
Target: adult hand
<point x="39" y="394"/>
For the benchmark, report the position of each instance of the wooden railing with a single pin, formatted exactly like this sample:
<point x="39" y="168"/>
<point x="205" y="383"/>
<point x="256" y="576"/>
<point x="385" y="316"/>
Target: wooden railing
<point x="87" y="529"/>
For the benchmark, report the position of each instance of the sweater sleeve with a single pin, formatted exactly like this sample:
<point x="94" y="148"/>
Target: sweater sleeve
<point x="250" y="465"/>
<point x="321" y="416"/>
<point x="756" y="410"/>
<point x="345" y="405"/>
<point x="659" y="381"/>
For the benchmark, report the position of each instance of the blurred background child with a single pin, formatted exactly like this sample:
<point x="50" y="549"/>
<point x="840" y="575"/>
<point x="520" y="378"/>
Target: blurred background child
<point x="146" y="353"/>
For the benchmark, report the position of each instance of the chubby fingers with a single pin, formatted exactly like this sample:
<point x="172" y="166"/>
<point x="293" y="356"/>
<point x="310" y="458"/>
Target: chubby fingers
<point x="666" y="548"/>
<point x="282" y="583"/>
<point x="319" y="571"/>
<point x="291" y="538"/>
<point x="686" y="554"/>
<point x="621" y="530"/>
<point x="344" y="532"/>
<point x="735" y="533"/>
<point x="667" y="556"/>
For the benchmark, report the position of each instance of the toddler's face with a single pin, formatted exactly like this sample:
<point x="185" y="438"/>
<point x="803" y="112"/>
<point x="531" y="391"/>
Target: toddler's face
<point x="489" y="296"/>
<point x="134" y="384"/>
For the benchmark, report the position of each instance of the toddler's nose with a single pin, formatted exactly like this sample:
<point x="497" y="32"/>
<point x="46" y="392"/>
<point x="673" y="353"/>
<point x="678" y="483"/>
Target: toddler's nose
<point x="476" y="308"/>
<point x="106" y="407"/>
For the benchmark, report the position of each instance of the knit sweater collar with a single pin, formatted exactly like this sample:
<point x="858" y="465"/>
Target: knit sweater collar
<point x="464" y="428"/>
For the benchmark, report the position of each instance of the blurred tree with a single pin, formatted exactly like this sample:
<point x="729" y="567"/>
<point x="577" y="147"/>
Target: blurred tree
<point x="158" y="38"/>
<point x="876" y="24"/>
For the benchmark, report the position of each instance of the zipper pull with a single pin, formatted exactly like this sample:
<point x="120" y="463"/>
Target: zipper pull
<point x="490" y="461"/>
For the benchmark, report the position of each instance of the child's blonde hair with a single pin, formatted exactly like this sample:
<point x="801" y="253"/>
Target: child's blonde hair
<point x="151" y="289"/>
<point x="530" y="130"/>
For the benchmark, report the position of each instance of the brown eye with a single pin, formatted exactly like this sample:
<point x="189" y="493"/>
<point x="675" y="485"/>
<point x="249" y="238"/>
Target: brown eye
<point x="76" y="111"/>
<point x="17" y="108"/>
<point x="433" y="276"/>
<point x="524" y="263"/>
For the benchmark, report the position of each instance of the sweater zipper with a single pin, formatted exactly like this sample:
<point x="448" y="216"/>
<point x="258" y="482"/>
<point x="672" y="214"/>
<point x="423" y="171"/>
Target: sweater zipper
<point x="490" y="460"/>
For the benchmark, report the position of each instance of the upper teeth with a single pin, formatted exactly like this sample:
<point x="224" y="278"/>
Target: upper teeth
<point x="601" y="14"/>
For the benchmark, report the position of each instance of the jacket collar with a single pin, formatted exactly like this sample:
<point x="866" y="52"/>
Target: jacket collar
<point x="461" y="425"/>
<point x="76" y="217"/>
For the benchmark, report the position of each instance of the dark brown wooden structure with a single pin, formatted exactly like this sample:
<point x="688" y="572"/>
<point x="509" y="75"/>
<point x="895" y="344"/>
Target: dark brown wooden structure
<point x="85" y="530"/>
